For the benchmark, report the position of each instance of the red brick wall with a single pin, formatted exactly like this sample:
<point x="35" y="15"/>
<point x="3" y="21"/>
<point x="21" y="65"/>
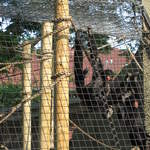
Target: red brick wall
<point x="14" y="75"/>
<point x="111" y="61"/>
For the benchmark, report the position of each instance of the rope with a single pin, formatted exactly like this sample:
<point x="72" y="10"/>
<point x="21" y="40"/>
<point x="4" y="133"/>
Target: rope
<point x="92" y="138"/>
<point x="16" y="107"/>
<point x="14" y="63"/>
<point x="133" y="57"/>
<point x="5" y="68"/>
<point x="9" y="64"/>
<point x="106" y="45"/>
<point x="3" y="147"/>
<point x="58" y="20"/>
<point x="36" y="40"/>
<point x="57" y="76"/>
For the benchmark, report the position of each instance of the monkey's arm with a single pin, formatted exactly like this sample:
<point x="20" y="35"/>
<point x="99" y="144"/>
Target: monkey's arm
<point x="82" y="90"/>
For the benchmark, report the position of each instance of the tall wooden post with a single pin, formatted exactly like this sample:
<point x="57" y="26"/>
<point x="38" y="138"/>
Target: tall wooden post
<point x="62" y="65"/>
<point x="146" y="65"/>
<point x="46" y="107"/>
<point x="27" y="94"/>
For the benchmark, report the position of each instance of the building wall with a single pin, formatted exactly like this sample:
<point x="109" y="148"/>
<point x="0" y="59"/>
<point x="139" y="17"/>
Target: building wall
<point x="14" y="74"/>
<point x="111" y="61"/>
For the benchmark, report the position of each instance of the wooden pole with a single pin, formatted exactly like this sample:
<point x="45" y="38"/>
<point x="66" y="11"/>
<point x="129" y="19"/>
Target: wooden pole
<point x="146" y="65"/>
<point x="62" y="65"/>
<point x="46" y="108"/>
<point x="27" y="94"/>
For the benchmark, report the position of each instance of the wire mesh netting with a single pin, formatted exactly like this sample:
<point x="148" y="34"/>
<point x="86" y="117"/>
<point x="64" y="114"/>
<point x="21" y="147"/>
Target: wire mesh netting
<point x="74" y="82"/>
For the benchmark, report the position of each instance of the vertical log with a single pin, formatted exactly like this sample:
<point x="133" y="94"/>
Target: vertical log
<point x="62" y="65"/>
<point x="146" y="65"/>
<point x="27" y="94"/>
<point x="46" y="107"/>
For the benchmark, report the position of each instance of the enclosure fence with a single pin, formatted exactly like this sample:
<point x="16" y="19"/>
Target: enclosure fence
<point x="74" y="75"/>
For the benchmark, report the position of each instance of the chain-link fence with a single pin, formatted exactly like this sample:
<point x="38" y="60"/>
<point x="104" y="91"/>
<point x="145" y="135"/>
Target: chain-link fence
<point x="74" y="74"/>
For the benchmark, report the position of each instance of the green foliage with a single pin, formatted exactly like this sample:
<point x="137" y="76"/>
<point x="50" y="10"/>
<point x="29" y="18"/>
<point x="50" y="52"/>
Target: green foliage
<point x="20" y="26"/>
<point x="16" y="31"/>
<point x="7" y="43"/>
<point x="101" y="40"/>
<point x="10" y="95"/>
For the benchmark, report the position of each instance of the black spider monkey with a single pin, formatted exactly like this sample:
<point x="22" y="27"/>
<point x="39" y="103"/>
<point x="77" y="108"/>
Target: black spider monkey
<point x="125" y="93"/>
<point x="92" y="94"/>
<point x="131" y="102"/>
<point x="130" y="95"/>
<point x="85" y="93"/>
<point x="133" y="105"/>
<point x="98" y="91"/>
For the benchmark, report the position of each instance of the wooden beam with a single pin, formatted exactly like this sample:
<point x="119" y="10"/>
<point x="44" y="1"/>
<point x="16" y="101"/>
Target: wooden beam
<point x="27" y="90"/>
<point x="146" y="66"/>
<point x="62" y="65"/>
<point x="46" y="106"/>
